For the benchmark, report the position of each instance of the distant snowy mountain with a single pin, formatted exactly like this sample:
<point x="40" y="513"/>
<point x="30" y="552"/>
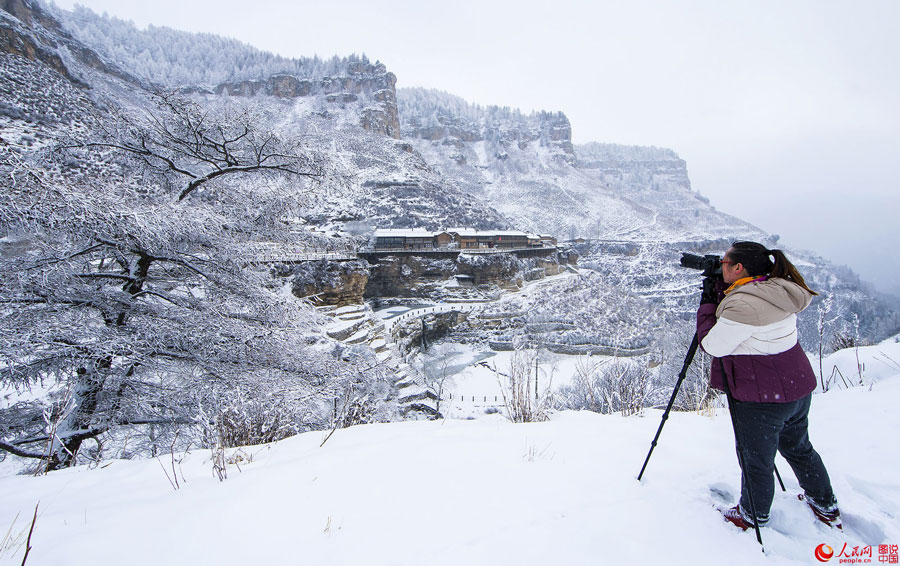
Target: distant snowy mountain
<point x="407" y="158"/>
<point x="528" y="166"/>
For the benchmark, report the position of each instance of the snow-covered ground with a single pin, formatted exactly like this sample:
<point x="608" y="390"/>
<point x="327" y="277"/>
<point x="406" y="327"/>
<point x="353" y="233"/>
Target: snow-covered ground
<point x="479" y="491"/>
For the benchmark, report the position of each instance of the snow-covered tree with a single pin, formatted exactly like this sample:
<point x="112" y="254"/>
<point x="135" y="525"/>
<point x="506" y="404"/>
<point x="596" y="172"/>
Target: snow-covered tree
<point x="138" y="310"/>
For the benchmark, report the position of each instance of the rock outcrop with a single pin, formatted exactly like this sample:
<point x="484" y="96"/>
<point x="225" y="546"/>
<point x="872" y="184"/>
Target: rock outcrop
<point x="428" y="276"/>
<point x="331" y="282"/>
<point x="556" y="132"/>
<point x="408" y="275"/>
<point x="449" y="121"/>
<point x="18" y="37"/>
<point x="498" y="269"/>
<point x="36" y="35"/>
<point x="423" y="331"/>
<point x="364" y="81"/>
<point x="651" y="165"/>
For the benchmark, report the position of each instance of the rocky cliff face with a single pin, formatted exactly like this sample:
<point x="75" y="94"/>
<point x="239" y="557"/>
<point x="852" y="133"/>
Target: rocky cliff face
<point x="644" y="165"/>
<point x="428" y="277"/>
<point x="409" y="276"/>
<point x="498" y="269"/>
<point x="418" y="332"/>
<point x="330" y="282"/>
<point x="366" y="84"/>
<point x="556" y="132"/>
<point x="28" y="31"/>
<point x="528" y="168"/>
<point x="442" y="120"/>
<point x="18" y="36"/>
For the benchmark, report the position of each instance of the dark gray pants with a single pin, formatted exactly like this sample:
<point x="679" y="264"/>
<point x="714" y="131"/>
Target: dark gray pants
<point x="767" y="427"/>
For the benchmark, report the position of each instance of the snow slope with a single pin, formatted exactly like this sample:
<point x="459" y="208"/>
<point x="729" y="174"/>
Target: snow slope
<point x="866" y="364"/>
<point x="467" y="492"/>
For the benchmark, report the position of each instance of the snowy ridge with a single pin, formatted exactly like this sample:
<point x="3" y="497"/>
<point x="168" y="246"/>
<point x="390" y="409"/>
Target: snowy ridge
<point x="174" y="58"/>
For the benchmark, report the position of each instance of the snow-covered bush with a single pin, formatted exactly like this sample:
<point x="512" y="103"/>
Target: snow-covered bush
<point x="610" y="386"/>
<point x="523" y="399"/>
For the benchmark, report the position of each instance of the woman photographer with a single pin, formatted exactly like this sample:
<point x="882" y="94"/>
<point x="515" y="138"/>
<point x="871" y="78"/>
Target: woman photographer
<point x="751" y="331"/>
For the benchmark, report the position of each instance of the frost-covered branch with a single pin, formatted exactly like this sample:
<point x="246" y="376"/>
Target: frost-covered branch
<point x="191" y="146"/>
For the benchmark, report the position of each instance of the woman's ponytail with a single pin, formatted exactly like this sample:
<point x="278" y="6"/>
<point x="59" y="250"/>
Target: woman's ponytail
<point x="785" y="269"/>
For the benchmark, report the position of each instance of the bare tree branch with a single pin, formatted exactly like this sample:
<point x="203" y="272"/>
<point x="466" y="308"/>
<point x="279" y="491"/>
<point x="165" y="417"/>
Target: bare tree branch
<point x="186" y="144"/>
<point x="118" y="276"/>
<point x="16" y="451"/>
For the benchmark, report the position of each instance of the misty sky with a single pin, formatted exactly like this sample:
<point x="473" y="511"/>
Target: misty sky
<point x="786" y="111"/>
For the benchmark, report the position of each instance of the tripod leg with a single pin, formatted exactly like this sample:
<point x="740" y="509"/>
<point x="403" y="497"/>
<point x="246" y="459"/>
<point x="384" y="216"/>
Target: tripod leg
<point x="780" y="482"/>
<point x="740" y="450"/>
<point x="687" y="362"/>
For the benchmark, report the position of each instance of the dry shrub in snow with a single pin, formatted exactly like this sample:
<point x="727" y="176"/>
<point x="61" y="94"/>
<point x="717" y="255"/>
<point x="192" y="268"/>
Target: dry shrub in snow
<point x="609" y="386"/>
<point x="526" y="399"/>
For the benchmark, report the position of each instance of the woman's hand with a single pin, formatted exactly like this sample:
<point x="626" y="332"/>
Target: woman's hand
<point x="710" y="293"/>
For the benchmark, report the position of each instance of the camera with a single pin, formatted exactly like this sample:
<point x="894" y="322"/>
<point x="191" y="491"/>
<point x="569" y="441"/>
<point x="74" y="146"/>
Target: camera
<point x="710" y="265"/>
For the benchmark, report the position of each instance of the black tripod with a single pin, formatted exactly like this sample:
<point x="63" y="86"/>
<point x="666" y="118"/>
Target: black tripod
<point x="692" y="350"/>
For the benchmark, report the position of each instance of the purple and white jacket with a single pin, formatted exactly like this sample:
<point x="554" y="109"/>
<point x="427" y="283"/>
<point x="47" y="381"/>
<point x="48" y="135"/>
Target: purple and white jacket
<point x="752" y="333"/>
